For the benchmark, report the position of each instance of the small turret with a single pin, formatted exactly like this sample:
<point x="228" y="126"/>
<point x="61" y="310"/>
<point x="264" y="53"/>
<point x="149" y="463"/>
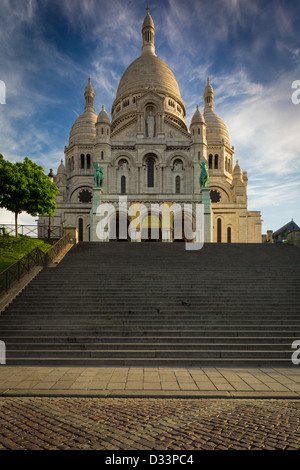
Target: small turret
<point x="103" y="124"/>
<point x="103" y="116"/>
<point x="198" y="126"/>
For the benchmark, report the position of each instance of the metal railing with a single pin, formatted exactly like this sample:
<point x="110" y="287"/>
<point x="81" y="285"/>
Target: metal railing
<point x="56" y="249"/>
<point x="33" y="231"/>
<point x="35" y="257"/>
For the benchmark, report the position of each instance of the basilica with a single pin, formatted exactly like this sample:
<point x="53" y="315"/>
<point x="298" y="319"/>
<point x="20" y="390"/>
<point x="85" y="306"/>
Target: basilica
<point x="149" y="153"/>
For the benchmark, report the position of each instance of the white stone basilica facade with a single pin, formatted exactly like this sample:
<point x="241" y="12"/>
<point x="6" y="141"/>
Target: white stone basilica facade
<point x="150" y="155"/>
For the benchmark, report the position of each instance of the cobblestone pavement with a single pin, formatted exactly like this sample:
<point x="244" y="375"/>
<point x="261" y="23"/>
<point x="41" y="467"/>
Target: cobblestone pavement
<point x="148" y="424"/>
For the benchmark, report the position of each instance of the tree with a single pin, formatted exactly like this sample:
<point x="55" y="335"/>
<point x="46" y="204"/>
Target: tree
<point x="24" y="187"/>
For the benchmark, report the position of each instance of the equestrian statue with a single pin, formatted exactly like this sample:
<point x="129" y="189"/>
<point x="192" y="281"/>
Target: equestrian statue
<point x="98" y="176"/>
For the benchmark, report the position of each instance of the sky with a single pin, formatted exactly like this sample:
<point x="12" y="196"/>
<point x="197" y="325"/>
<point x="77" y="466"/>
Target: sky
<point x="250" y="49"/>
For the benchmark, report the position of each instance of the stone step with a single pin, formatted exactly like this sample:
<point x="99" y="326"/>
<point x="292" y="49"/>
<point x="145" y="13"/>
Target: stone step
<point x="159" y="305"/>
<point x="158" y="318"/>
<point x="122" y="332"/>
<point x="127" y="308"/>
<point x="119" y="327"/>
<point x="171" y="301"/>
<point x="144" y="326"/>
<point x="193" y="354"/>
<point x="141" y="346"/>
<point x="150" y="362"/>
<point x="146" y="340"/>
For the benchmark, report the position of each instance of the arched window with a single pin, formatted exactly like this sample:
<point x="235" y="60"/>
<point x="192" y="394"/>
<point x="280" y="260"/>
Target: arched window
<point x="228" y="234"/>
<point x="123" y="184"/>
<point x="198" y="131"/>
<point x="177" y="181"/>
<point x="219" y="230"/>
<point x="102" y="155"/>
<point x="216" y="162"/>
<point x="69" y="164"/>
<point x="82" y="161"/>
<point x="150" y="173"/>
<point x="80" y="230"/>
<point x="210" y="162"/>
<point x="88" y="161"/>
<point x="72" y="163"/>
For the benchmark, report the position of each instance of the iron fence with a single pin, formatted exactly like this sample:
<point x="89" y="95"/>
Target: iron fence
<point x="36" y="257"/>
<point x="33" y="231"/>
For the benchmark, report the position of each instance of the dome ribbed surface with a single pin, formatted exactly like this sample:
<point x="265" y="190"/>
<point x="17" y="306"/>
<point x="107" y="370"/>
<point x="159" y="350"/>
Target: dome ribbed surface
<point x="148" y="71"/>
<point x="83" y="128"/>
<point x="216" y="130"/>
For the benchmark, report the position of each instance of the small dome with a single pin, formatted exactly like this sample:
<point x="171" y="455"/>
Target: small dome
<point x="83" y="128"/>
<point x="237" y="169"/>
<point x="103" y="116"/>
<point x="61" y="169"/>
<point x="51" y="174"/>
<point x="198" y="117"/>
<point x="216" y="130"/>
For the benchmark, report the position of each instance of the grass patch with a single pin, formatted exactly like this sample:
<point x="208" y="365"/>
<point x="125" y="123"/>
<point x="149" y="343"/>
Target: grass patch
<point x="12" y="249"/>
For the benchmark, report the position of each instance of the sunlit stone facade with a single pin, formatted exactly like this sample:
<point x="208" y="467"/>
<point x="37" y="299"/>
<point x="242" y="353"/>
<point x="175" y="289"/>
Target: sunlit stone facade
<point x="150" y="155"/>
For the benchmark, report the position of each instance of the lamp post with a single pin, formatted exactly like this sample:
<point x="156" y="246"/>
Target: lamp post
<point x="51" y="177"/>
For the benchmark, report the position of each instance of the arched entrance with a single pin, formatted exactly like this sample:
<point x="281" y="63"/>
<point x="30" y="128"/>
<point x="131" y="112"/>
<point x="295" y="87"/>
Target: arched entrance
<point x="183" y="228"/>
<point x="151" y="228"/>
<point x="80" y="229"/>
<point x="118" y="227"/>
<point x="219" y="231"/>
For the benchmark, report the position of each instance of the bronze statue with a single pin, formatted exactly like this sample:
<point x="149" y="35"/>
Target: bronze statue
<point x="204" y="177"/>
<point x="98" y="176"/>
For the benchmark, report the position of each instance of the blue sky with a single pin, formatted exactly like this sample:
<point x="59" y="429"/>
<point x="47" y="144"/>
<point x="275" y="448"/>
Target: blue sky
<point x="249" y="49"/>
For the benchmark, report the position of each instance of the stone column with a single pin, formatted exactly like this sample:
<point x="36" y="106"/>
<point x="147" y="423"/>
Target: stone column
<point x="94" y="217"/>
<point x="205" y="200"/>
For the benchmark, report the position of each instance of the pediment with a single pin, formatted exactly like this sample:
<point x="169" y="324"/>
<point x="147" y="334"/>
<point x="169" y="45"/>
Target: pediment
<point x="150" y="97"/>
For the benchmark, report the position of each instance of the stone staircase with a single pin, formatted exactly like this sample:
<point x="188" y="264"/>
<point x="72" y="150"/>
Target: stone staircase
<point x="156" y="304"/>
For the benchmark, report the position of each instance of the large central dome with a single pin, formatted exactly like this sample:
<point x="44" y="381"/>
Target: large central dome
<point x="148" y="71"/>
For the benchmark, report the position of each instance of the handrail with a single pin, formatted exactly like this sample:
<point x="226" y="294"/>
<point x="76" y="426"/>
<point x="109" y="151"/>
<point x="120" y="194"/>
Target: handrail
<point x="35" y="257"/>
<point x="54" y="251"/>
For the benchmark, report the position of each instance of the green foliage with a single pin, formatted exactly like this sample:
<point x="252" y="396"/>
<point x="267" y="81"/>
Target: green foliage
<point x="24" y="187"/>
<point x="12" y="249"/>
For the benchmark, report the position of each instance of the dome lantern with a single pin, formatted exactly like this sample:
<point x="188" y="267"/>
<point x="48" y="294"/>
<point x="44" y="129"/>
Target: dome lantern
<point x="89" y="95"/>
<point x="148" y="33"/>
<point x="208" y="97"/>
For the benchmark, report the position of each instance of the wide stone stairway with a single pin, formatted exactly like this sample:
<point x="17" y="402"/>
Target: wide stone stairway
<point x="156" y="304"/>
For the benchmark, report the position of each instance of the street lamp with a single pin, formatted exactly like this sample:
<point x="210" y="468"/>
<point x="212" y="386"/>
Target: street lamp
<point x="51" y="177"/>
